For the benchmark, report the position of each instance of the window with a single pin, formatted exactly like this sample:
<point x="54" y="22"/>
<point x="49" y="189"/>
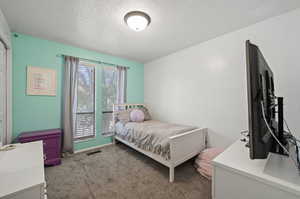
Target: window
<point x="109" y="95"/>
<point x="85" y="96"/>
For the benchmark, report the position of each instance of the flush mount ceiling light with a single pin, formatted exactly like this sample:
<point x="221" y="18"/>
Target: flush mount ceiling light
<point x="137" y="20"/>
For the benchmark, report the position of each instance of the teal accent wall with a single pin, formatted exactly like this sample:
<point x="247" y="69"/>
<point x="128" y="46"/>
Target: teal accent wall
<point x="44" y="112"/>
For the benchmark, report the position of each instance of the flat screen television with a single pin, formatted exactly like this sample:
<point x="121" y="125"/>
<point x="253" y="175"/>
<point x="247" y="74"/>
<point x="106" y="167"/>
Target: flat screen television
<point x="264" y="108"/>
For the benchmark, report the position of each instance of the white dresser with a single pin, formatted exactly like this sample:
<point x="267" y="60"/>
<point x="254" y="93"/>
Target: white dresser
<point x="236" y="176"/>
<point x="22" y="172"/>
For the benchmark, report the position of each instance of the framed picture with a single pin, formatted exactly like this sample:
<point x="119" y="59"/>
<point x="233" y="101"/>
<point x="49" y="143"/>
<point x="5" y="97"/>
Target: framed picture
<point x="41" y="81"/>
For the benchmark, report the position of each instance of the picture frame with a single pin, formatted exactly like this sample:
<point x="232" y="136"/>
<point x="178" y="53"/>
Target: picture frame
<point x="41" y="81"/>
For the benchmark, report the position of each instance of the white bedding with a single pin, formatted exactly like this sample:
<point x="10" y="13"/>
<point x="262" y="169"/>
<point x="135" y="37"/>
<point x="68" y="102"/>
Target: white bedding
<point x="151" y="135"/>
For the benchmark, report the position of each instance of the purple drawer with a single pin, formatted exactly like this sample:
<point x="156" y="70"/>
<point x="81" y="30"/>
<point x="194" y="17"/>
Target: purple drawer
<point x="51" y="143"/>
<point x="52" y="157"/>
<point x="51" y="153"/>
<point x="40" y="134"/>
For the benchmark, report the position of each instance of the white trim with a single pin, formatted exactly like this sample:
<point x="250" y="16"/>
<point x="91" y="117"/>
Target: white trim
<point x="87" y="64"/>
<point x="9" y="96"/>
<point x="87" y="139"/>
<point x="5" y="38"/>
<point x="6" y="120"/>
<point x="3" y="93"/>
<point x="92" y="148"/>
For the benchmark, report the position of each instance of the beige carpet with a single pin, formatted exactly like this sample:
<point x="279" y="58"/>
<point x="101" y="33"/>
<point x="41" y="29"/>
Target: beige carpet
<point x="119" y="172"/>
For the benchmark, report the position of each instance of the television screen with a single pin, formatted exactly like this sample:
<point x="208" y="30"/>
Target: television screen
<point x="260" y="86"/>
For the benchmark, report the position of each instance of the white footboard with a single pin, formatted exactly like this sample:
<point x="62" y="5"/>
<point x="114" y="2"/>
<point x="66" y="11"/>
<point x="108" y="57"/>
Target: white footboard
<point x="182" y="147"/>
<point x="185" y="146"/>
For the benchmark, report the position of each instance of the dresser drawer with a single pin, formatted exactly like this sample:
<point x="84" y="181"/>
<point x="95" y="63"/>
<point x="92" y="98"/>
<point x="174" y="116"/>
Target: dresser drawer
<point x="51" y="142"/>
<point x="50" y="156"/>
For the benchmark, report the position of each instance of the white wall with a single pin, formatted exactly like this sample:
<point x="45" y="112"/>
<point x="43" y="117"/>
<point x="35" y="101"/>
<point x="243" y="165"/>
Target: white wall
<point x="205" y="85"/>
<point x="4" y="30"/>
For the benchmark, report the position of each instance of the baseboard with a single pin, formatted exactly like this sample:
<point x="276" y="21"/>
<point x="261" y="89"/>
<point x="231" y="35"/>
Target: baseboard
<point x="93" y="148"/>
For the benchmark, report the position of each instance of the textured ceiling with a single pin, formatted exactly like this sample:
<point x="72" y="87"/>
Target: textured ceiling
<point x="98" y="24"/>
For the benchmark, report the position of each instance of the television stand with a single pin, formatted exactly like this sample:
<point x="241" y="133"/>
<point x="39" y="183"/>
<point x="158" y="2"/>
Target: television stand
<point x="280" y="130"/>
<point x="236" y="176"/>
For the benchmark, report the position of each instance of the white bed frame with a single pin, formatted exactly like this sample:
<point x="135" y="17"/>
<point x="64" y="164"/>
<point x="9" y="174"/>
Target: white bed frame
<point x="182" y="147"/>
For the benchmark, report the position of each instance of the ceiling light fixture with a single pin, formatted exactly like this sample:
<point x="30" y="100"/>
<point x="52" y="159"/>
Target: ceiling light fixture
<point x="137" y="20"/>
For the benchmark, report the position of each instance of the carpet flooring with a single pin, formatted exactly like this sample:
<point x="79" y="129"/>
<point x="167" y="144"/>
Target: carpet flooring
<point x="119" y="172"/>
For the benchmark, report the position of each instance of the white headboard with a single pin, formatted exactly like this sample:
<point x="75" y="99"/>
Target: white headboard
<point x="118" y="107"/>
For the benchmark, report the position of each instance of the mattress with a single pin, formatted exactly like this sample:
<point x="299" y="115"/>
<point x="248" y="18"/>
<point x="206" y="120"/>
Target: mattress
<point x="151" y="135"/>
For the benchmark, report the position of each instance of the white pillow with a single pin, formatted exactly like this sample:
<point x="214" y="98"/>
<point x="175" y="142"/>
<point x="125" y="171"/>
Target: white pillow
<point x="136" y="115"/>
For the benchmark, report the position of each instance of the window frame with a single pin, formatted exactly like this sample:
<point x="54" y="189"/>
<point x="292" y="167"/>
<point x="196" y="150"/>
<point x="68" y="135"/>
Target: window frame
<point x="88" y="137"/>
<point x="3" y="101"/>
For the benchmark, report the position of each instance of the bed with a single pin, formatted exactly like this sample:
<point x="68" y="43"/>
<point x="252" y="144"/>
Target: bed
<point x="168" y="144"/>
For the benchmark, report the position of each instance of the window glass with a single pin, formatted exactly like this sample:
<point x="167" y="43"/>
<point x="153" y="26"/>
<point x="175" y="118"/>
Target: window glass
<point x="109" y="94"/>
<point x="109" y="87"/>
<point x="85" y="115"/>
<point x="85" y="89"/>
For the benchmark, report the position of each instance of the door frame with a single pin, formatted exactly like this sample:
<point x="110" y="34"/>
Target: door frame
<point x="6" y="138"/>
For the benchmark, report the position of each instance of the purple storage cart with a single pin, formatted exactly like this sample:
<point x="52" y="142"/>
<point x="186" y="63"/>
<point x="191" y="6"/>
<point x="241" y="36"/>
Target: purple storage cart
<point x="51" y="141"/>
